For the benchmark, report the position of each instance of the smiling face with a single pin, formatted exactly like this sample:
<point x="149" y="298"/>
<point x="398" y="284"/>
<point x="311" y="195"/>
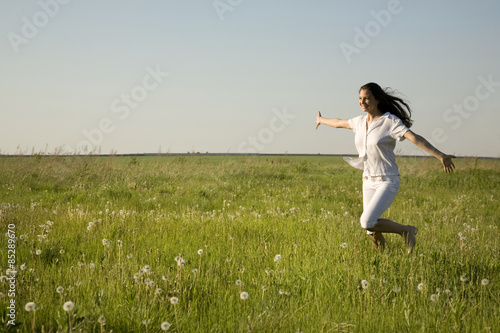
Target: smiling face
<point x="367" y="101"/>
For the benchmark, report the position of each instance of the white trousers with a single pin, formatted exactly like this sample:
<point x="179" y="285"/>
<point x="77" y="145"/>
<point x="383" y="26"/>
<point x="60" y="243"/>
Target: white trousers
<point x="378" y="195"/>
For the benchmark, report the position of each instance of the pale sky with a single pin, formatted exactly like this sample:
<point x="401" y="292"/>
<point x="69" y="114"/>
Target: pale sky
<point x="243" y="75"/>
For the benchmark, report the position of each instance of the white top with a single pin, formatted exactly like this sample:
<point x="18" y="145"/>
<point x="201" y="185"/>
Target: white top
<point x="376" y="144"/>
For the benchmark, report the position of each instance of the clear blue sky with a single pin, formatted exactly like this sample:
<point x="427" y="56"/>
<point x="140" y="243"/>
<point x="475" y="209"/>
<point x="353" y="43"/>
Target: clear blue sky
<point x="243" y="75"/>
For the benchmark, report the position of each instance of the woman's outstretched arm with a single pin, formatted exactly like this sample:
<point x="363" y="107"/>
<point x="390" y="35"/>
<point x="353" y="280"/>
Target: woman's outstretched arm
<point x="426" y="146"/>
<point x="333" y="122"/>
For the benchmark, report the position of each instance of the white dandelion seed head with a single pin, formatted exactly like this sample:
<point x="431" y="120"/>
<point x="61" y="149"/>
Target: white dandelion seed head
<point x="68" y="306"/>
<point x="164" y="278"/>
<point x="365" y="284"/>
<point x="277" y="258"/>
<point x="281" y="291"/>
<point x="165" y="325"/>
<point x="396" y="289"/>
<point x="244" y="295"/>
<point x="60" y="290"/>
<point x="485" y="282"/>
<point x="434" y="297"/>
<point x="101" y="319"/>
<point x="22" y="267"/>
<point x="129" y="256"/>
<point x="38" y="252"/>
<point x="91" y="265"/>
<point x="463" y="278"/>
<point x="158" y="291"/>
<point x="146" y="269"/>
<point x="343" y="245"/>
<point x="62" y="251"/>
<point x="174" y="300"/>
<point x="200" y="252"/>
<point x="421" y="286"/>
<point x="30" y="306"/>
<point x="180" y="261"/>
<point x="447" y="292"/>
<point x="195" y="271"/>
<point x="239" y="283"/>
<point x="119" y="243"/>
<point x="146" y="321"/>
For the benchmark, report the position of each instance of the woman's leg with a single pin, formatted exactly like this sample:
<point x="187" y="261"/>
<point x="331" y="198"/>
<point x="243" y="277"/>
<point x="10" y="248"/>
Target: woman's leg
<point x="378" y="195"/>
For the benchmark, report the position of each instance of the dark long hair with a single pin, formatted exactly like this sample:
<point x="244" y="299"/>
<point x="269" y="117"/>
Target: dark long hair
<point x="389" y="103"/>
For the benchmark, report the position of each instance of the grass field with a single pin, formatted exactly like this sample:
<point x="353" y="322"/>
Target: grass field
<point x="244" y="244"/>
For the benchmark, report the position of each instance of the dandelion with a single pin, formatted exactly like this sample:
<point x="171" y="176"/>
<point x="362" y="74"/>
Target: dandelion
<point x="180" y="261"/>
<point x="239" y="283"/>
<point x="364" y="284"/>
<point x="281" y="291"/>
<point x="164" y="278"/>
<point x="68" y="306"/>
<point x="421" y="287"/>
<point x="200" y="252"/>
<point x="158" y="291"/>
<point x="146" y="269"/>
<point x="447" y="292"/>
<point x="195" y="271"/>
<point x="485" y="282"/>
<point x="38" y="252"/>
<point x="91" y="265"/>
<point x="30" y="306"/>
<point x="396" y="289"/>
<point x="129" y="256"/>
<point x="119" y="243"/>
<point x="60" y="290"/>
<point x="62" y="251"/>
<point x="174" y="300"/>
<point x="343" y="245"/>
<point x="165" y="325"/>
<point x="277" y="258"/>
<point x="146" y="321"/>
<point x="244" y="295"/>
<point x="463" y="278"/>
<point x="434" y="297"/>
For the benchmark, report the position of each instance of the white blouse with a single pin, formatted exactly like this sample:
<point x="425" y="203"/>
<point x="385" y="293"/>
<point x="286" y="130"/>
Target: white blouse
<point x="376" y="144"/>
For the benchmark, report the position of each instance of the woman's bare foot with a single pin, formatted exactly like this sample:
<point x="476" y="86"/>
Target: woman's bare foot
<point x="378" y="241"/>
<point x="409" y="237"/>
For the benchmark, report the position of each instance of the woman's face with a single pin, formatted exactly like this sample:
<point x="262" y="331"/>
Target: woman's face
<point x="367" y="102"/>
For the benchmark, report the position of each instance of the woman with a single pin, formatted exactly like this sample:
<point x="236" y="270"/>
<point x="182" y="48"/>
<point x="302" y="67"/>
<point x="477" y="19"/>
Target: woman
<point x="387" y="120"/>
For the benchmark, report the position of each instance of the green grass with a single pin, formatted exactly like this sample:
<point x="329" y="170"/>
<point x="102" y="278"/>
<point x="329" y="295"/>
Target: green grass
<point x="242" y="212"/>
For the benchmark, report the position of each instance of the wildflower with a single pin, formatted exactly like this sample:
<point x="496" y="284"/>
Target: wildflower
<point x="22" y="267"/>
<point x="174" y="300"/>
<point x="68" y="306"/>
<point x="343" y="245"/>
<point x="38" y="252"/>
<point x="165" y="325"/>
<point x="129" y="256"/>
<point x="119" y="243"/>
<point x="281" y="291"/>
<point x="180" y="261"/>
<point x="164" y="278"/>
<point x="146" y="269"/>
<point x="50" y="223"/>
<point x="364" y="284"/>
<point x="158" y="291"/>
<point x="101" y="319"/>
<point x="239" y="283"/>
<point x="277" y="258"/>
<point x="62" y="251"/>
<point x="195" y="271"/>
<point x="434" y="297"/>
<point x="30" y="306"/>
<point x="421" y="287"/>
<point x="146" y="321"/>
<point x="244" y="295"/>
<point x="60" y="290"/>
<point x="396" y="289"/>
<point x="91" y="265"/>
<point x="485" y="282"/>
<point x="463" y="278"/>
<point x="447" y="292"/>
<point x="200" y="252"/>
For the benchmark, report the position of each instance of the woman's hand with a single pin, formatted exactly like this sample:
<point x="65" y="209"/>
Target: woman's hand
<point x="448" y="163"/>
<point x="318" y="120"/>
